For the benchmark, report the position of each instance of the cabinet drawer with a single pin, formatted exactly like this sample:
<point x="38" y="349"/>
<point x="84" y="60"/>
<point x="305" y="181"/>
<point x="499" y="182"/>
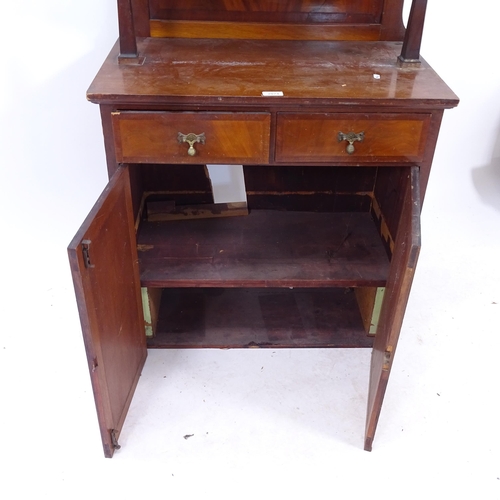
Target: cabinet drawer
<point x="321" y="137"/>
<point x="185" y="137"/>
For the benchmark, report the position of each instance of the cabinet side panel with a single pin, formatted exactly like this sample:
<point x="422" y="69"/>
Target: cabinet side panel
<point x="109" y="145"/>
<point x="390" y="198"/>
<point x="392" y="20"/>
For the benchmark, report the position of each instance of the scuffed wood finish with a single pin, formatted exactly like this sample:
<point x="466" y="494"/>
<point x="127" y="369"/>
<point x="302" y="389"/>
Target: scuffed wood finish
<point x="264" y="249"/>
<point x="168" y="211"/>
<point x="404" y="261"/>
<point x="266" y="318"/>
<point x="183" y="72"/>
<point x="387" y="137"/>
<point x="109" y="302"/>
<point x="152" y="137"/>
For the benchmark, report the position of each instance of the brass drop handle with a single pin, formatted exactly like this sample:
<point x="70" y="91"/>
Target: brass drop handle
<point x="191" y="139"/>
<point x="351" y="137"/>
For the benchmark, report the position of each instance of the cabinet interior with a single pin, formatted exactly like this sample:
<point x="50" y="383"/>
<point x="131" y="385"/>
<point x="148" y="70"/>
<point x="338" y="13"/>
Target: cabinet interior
<point x="303" y="267"/>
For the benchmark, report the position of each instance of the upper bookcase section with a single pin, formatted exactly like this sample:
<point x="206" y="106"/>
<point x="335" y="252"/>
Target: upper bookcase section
<point x="349" y="20"/>
<point x="272" y="19"/>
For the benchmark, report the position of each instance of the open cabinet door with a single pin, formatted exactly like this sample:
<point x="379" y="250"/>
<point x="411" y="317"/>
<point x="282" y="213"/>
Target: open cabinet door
<point x="403" y="263"/>
<point x="103" y="258"/>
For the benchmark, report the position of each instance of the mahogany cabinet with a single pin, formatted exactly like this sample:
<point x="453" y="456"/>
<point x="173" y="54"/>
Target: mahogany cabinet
<point x="334" y="117"/>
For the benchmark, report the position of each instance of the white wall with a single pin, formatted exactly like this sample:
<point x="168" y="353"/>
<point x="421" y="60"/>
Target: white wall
<point x="53" y="168"/>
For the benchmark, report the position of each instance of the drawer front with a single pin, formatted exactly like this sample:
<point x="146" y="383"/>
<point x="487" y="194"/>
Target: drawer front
<point x="353" y="137"/>
<point x="185" y="137"/>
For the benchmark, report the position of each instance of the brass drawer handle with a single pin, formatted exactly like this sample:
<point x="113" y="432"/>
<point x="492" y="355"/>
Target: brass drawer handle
<point x="191" y="139"/>
<point x="351" y="137"/>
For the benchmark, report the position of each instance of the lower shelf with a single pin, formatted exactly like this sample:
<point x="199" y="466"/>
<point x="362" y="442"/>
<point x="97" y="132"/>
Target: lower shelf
<point x="259" y="317"/>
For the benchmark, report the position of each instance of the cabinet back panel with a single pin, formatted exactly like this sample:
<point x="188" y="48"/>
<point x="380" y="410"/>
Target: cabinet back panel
<point x="311" y="11"/>
<point x="275" y="19"/>
<point x="318" y="189"/>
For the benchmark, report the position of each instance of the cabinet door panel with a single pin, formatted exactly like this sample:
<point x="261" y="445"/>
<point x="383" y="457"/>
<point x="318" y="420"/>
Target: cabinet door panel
<point x="103" y="258"/>
<point x="402" y="269"/>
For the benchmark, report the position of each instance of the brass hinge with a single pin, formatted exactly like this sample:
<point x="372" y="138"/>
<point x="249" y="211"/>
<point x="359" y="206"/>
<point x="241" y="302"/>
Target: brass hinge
<point x="387" y="358"/>
<point x="114" y="440"/>
<point x="86" y="253"/>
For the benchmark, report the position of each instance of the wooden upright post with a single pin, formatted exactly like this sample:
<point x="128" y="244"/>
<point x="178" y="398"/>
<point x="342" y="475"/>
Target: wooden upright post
<point x="128" y="43"/>
<point x="410" y="53"/>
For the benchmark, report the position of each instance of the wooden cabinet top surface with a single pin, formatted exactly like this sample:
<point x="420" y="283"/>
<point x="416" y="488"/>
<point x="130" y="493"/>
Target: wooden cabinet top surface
<point x="219" y="72"/>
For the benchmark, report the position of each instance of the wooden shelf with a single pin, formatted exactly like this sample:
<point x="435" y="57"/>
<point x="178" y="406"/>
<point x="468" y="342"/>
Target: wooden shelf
<point x="264" y="249"/>
<point x="256" y="317"/>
